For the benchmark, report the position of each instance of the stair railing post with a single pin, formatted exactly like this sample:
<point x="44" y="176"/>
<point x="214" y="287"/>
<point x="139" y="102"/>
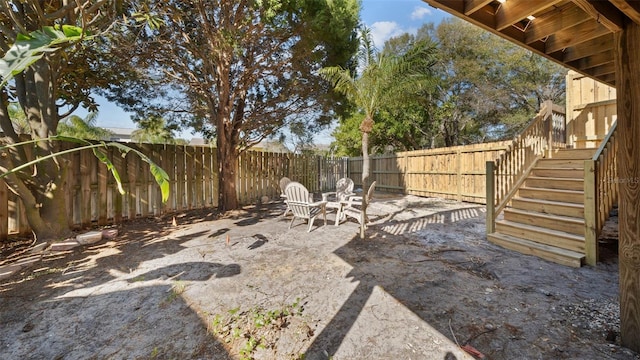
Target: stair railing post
<point x="548" y="120"/>
<point x="590" y="213"/>
<point x="490" y="193"/>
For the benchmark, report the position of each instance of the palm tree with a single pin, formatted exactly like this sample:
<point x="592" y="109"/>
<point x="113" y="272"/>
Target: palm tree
<point x="381" y="75"/>
<point x="77" y="127"/>
<point x="154" y="130"/>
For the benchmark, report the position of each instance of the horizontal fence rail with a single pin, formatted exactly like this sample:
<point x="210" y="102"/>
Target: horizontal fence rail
<point x="93" y="199"/>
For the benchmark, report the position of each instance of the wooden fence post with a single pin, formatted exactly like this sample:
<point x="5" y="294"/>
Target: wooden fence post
<point x="4" y="211"/>
<point x="590" y="213"/>
<point x="459" y="171"/>
<point x="490" y="190"/>
<point x="405" y="172"/>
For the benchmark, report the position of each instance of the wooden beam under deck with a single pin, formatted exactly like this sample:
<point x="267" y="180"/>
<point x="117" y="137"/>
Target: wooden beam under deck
<point x="573" y="36"/>
<point x="603" y="12"/>
<point x="552" y="22"/>
<point x="510" y="12"/>
<point x="593" y="60"/>
<point x="589" y="48"/>
<point x="471" y="6"/>
<point x="629" y="8"/>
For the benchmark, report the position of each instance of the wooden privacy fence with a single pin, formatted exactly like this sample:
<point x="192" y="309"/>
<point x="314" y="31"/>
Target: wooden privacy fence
<point x="259" y="173"/>
<point x="92" y="196"/>
<point x="453" y="173"/>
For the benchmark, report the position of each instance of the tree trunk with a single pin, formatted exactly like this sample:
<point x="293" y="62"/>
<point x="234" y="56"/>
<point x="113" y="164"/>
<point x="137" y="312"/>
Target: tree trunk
<point x="365" y="181"/>
<point x="49" y="220"/>
<point x="227" y="170"/>
<point x="42" y="195"/>
<point x="41" y="188"/>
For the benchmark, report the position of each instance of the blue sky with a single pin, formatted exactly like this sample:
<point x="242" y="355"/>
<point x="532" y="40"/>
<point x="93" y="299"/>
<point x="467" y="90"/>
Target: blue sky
<point x="388" y="18"/>
<point x="385" y="18"/>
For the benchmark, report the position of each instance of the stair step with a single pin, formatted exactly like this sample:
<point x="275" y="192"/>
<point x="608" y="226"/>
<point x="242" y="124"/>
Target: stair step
<point x="541" y="235"/>
<point x="548" y="207"/>
<point x="568" y="224"/>
<point x="583" y="154"/>
<point x="561" y="163"/>
<point x="555" y="183"/>
<point x="551" y="253"/>
<point x="555" y="172"/>
<point x="570" y="196"/>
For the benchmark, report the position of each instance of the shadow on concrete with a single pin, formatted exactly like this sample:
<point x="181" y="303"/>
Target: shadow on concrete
<point x="85" y="303"/>
<point x="375" y="263"/>
<point x="258" y="243"/>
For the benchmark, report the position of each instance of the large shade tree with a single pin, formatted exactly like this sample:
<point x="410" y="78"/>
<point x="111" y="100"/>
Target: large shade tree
<point x="238" y="71"/>
<point x="47" y="91"/>
<point x="489" y="89"/>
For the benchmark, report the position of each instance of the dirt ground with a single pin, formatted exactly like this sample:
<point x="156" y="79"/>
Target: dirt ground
<point x="244" y="286"/>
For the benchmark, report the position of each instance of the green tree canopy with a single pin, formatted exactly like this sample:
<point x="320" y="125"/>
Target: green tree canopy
<point x="489" y="88"/>
<point x="376" y="85"/>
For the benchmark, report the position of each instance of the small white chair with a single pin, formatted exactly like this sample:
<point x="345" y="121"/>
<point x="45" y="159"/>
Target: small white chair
<point x="344" y="190"/>
<point x="352" y="207"/>
<point x="302" y="205"/>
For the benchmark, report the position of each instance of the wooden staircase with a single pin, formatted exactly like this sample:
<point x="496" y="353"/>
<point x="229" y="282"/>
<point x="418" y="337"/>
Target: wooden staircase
<point x="546" y="216"/>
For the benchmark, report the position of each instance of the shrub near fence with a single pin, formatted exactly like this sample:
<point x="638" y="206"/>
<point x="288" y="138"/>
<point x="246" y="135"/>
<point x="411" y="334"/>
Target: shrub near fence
<point x="93" y="198"/>
<point x="452" y="173"/>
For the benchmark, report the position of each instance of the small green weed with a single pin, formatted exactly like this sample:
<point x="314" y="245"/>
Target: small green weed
<point x="257" y="325"/>
<point x="177" y="289"/>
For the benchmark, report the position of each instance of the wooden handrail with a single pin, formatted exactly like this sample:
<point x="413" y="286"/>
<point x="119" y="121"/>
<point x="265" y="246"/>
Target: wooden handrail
<point x="546" y="131"/>
<point x="600" y="191"/>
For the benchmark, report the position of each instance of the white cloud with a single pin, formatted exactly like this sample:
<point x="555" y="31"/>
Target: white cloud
<point x="419" y="12"/>
<point x="383" y="30"/>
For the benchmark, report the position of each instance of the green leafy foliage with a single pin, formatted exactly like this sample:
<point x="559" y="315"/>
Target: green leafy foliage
<point x="154" y="130"/>
<point x="161" y="177"/>
<point x="45" y="69"/>
<point x="390" y="81"/>
<point x="154" y="22"/>
<point x="29" y="48"/>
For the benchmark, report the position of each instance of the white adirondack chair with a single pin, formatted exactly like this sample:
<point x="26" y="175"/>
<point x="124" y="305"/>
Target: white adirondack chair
<point x="302" y="205"/>
<point x="352" y="207"/>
